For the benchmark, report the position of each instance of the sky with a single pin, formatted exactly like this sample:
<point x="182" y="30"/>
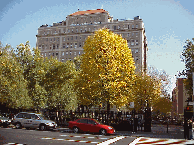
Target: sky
<point x="168" y="24"/>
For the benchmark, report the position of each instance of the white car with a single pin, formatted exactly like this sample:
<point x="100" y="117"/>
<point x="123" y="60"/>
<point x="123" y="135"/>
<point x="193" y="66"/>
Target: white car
<point x="33" y="120"/>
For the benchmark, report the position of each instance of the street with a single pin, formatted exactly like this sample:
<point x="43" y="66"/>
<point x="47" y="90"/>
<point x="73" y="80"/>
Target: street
<point x="32" y="137"/>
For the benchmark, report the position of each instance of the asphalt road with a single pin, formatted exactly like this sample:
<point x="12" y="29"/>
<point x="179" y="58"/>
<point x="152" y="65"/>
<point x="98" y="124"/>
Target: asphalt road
<point x="36" y="137"/>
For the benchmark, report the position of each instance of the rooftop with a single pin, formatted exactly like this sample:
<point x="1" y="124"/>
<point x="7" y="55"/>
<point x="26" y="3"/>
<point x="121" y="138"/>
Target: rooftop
<point x="88" y="12"/>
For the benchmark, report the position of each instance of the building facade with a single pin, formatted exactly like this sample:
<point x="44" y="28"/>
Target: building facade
<point x="179" y="97"/>
<point x="65" y="39"/>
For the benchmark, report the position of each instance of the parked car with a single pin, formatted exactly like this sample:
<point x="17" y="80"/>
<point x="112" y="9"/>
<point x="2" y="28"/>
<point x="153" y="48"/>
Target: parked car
<point x="4" y="121"/>
<point x="90" y="125"/>
<point x="33" y="120"/>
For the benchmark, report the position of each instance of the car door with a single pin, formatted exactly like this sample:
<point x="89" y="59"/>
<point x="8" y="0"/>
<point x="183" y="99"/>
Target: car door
<point x="82" y="124"/>
<point x="27" y="121"/>
<point x="92" y="126"/>
<point x="35" y="121"/>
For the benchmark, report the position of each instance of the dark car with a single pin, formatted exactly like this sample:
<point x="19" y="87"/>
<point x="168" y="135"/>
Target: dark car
<point x="90" y="125"/>
<point x="4" y="121"/>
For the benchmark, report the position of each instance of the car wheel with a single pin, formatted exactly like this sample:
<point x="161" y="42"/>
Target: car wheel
<point x="102" y="132"/>
<point x="42" y="127"/>
<point x="75" y="129"/>
<point x="18" y="125"/>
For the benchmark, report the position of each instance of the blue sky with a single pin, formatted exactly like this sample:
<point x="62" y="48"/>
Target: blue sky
<point x="168" y="23"/>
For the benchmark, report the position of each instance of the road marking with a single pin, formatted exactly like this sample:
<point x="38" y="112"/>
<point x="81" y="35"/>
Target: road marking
<point x="147" y="140"/>
<point x="112" y="140"/>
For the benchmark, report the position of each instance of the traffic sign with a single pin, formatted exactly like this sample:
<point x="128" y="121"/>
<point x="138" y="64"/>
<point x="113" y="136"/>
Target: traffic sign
<point x="131" y="105"/>
<point x="191" y="103"/>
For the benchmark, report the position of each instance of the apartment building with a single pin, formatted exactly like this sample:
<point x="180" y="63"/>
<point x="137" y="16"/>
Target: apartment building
<point x="65" y="39"/>
<point x="179" y="97"/>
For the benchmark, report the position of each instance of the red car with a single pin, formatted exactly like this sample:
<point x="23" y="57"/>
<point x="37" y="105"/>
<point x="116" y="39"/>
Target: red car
<point x="90" y="125"/>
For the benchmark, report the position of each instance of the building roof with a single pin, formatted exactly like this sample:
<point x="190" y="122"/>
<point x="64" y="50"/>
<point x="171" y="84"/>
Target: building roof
<point x="88" y="12"/>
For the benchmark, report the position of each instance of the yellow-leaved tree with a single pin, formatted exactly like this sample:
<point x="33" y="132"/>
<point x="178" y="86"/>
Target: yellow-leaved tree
<point x="146" y="91"/>
<point x="107" y="70"/>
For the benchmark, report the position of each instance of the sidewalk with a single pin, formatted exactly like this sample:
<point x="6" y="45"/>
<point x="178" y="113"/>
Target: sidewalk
<point x="157" y="131"/>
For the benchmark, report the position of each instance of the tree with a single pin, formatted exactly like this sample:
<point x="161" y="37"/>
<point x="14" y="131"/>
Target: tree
<point x="188" y="58"/>
<point x="107" y="70"/>
<point x="13" y="86"/>
<point x="146" y="91"/>
<point x="162" y="106"/>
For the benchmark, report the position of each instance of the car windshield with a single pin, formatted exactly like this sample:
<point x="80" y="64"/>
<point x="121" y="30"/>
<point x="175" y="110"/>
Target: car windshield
<point x="98" y="122"/>
<point x="43" y="117"/>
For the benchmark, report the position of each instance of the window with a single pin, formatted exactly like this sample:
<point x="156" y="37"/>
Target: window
<point x="46" y="39"/>
<point x="75" y="37"/>
<point x="132" y="42"/>
<point x="44" y="54"/>
<point x="66" y="52"/>
<point x="71" y="45"/>
<point x="85" y="29"/>
<point x="82" y="121"/>
<point x="132" y="34"/>
<point x="80" y="45"/>
<point x="132" y="26"/>
<point x="71" y="37"/>
<point x="118" y="27"/>
<point x="83" y="43"/>
<point x="72" y="31"/>
<point x="63" y="45"/>
<point x="136" y="26"/>
<point x="67" y="45"/>
<point x="136" y="42"/>
<point x="75" y="45"/>
<point x="89" y="29"/>
<point x="128" y="34"/>
<point x="50" y="46"/>
<point x="62" y="60"/>
<point x="56" y="53"/>
<point x="53" y="46"/>
<point x="51" y="40"/>
<point x="47" y="32"/>
<point x="54" y="39"/>
<point x="136" y="58"/>
<point x="63" y="53"/>
<point x="136" y="33"/>
<point x="136" y="50"/>
<point x="49" y="54"/>
<point x="68" y="38"/>
<point x="46" y="47"/>
<point x="57" y="39"/>
<point x="53" y="54"/>
<point x="80" y="37"/>
<point x="80" y="30"/>
<point x="74" y="53"/>
<point x="91" y="122"/>
<point x="70" y="53"/>
<point x="115" y="27"/>
<point x="76" y="30"/>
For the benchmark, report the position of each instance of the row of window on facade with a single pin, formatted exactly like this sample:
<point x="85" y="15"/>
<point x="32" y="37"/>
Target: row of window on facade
<point x="65" y="45"/>
<point x="81" y="30"/>
<point x="79" y="44"/>
<point x="62" y="53"/>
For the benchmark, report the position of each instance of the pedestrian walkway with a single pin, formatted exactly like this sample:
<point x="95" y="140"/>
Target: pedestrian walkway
<point x="147" y="140"/>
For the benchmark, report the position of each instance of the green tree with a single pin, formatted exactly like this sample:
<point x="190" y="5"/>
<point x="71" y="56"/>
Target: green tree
<point x="188" y="58"/>
<point x="13" y="86"/>
<point x="107" y="70"/>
